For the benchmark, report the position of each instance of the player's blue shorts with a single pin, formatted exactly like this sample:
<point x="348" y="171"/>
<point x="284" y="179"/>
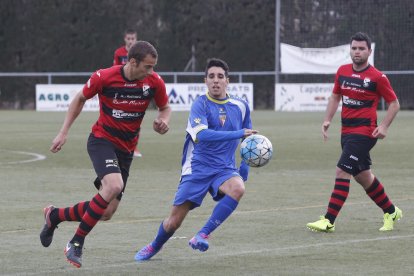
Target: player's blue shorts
<point x="195" y="186"/>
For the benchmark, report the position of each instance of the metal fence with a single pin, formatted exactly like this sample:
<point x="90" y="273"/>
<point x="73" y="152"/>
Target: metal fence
<point x="263" y="82"/>
<point x="302" y="23"/>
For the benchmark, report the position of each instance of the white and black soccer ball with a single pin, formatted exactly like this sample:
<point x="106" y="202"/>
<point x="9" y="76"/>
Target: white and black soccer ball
<point x="256" y="150"/>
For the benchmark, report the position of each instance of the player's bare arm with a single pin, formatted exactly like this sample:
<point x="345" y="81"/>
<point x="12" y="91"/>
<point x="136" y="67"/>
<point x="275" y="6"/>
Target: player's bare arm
<point x="381" y="131"/>
<point x="160" y="124"/>
<point x="331" y="108"/>
<point x="74" y="110"/>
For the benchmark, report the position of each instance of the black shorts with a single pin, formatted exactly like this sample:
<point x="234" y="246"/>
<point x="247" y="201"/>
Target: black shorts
<point x="106" y="159"/>
<point x="355" y="156"/>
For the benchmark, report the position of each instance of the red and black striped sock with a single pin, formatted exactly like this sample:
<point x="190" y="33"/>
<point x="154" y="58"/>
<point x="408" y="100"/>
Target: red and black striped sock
<point x="338" y="198"/>
<point x="74" y="213"/>
<point x="377" y="193"/>
<point x="91" y="217"/>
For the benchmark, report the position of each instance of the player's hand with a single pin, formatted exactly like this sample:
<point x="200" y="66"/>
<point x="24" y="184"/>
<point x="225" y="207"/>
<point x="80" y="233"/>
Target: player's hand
<point x="380" y="132"/>
<point x="58" y="142"/>
<point x="325" y="127"/>
<point x="248" y="132"/>
<point x="160" y="126"/>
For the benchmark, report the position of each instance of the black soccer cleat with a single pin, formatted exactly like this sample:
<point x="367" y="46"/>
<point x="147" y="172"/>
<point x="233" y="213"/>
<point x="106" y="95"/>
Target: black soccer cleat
<point x="73" y="252"/>
<point x="46" y="235"/>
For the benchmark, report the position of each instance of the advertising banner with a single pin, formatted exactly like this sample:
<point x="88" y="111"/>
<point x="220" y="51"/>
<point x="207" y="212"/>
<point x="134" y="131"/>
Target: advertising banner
<point x="182" y="95"/>
<point x="316" y="60"/>
<point x="302" y="96"/>
<point x="57" y="97"/>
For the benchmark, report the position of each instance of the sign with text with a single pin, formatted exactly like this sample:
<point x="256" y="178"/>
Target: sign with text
<point x="182" y="95"/>
<point x="302" y="96"/>
<point x="57" y="97"/>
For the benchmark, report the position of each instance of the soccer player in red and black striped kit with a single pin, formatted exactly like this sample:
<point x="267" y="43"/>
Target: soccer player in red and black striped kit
<point x="360" y="86"/>
<point x="121" y="54"/>
<point x="124" y="92"/>
<point x="121" y="58"/>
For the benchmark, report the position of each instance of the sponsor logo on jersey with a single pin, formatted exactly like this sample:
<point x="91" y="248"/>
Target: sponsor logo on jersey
<point x="119" y="114"/>
<point x="352" y="102"/>
<point x="366" y="82"/>
<point x="351" y="86"/>
<point x="125" y="99"/>
<point x="197" y="120"/>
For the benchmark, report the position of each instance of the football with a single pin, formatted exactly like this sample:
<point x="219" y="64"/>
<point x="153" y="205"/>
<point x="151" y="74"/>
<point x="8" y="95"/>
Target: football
<point x="256" y="150"/>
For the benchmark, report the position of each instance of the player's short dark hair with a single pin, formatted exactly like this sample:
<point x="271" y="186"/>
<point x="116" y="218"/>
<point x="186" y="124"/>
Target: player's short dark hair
<point x="216" y="62"/>
<point x="140" y="50"/>
<point x="360" y="36"/>
<point x="130" y="31"/>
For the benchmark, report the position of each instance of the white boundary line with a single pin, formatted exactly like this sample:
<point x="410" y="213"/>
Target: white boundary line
<point x="37" y="157"/>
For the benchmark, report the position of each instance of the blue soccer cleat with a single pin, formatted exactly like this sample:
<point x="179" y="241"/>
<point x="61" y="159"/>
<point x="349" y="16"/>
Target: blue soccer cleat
<point x="146" y="253"/>
<point x="199" y="242"/>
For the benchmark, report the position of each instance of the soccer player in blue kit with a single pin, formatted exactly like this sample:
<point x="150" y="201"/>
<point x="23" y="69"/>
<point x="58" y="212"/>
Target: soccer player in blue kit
<point x="216" y="123"/>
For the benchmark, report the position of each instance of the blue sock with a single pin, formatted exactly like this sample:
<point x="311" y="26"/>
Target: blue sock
<point x="221" y="212"/>
<point x="161" y="238"/>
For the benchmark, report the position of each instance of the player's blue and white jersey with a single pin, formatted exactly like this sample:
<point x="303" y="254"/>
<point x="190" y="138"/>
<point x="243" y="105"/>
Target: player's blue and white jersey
<point x="230" y="114"/>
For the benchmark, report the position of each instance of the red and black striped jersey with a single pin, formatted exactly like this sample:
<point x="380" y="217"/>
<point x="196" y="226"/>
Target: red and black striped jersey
<point x="123" y="104"/>
<point x="361" y="92"/>
<point x="120" y="56"/>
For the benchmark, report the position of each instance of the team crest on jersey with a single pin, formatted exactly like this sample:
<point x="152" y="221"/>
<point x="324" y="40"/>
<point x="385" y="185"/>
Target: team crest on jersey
<point x="366" y="82"/>
<point x="222" y="116"/>
<point x="145" y="89"/>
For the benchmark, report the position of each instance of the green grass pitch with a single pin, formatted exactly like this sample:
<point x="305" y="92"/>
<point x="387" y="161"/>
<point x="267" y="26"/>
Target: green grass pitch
<point x="265" y="236"/>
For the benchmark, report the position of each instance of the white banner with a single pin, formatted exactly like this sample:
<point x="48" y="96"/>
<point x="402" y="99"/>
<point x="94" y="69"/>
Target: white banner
<point x="302" y="96"/>
<point x="316" y="60"/>
<point x="182" y="95"/>
<point x="57" y="97"/>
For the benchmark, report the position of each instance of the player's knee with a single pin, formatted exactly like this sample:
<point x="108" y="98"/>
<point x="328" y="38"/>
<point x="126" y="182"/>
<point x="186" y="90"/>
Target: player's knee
<point x="238" y="191"/>
<point x="341" y="173"/>
<point x="114" y="188"/>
